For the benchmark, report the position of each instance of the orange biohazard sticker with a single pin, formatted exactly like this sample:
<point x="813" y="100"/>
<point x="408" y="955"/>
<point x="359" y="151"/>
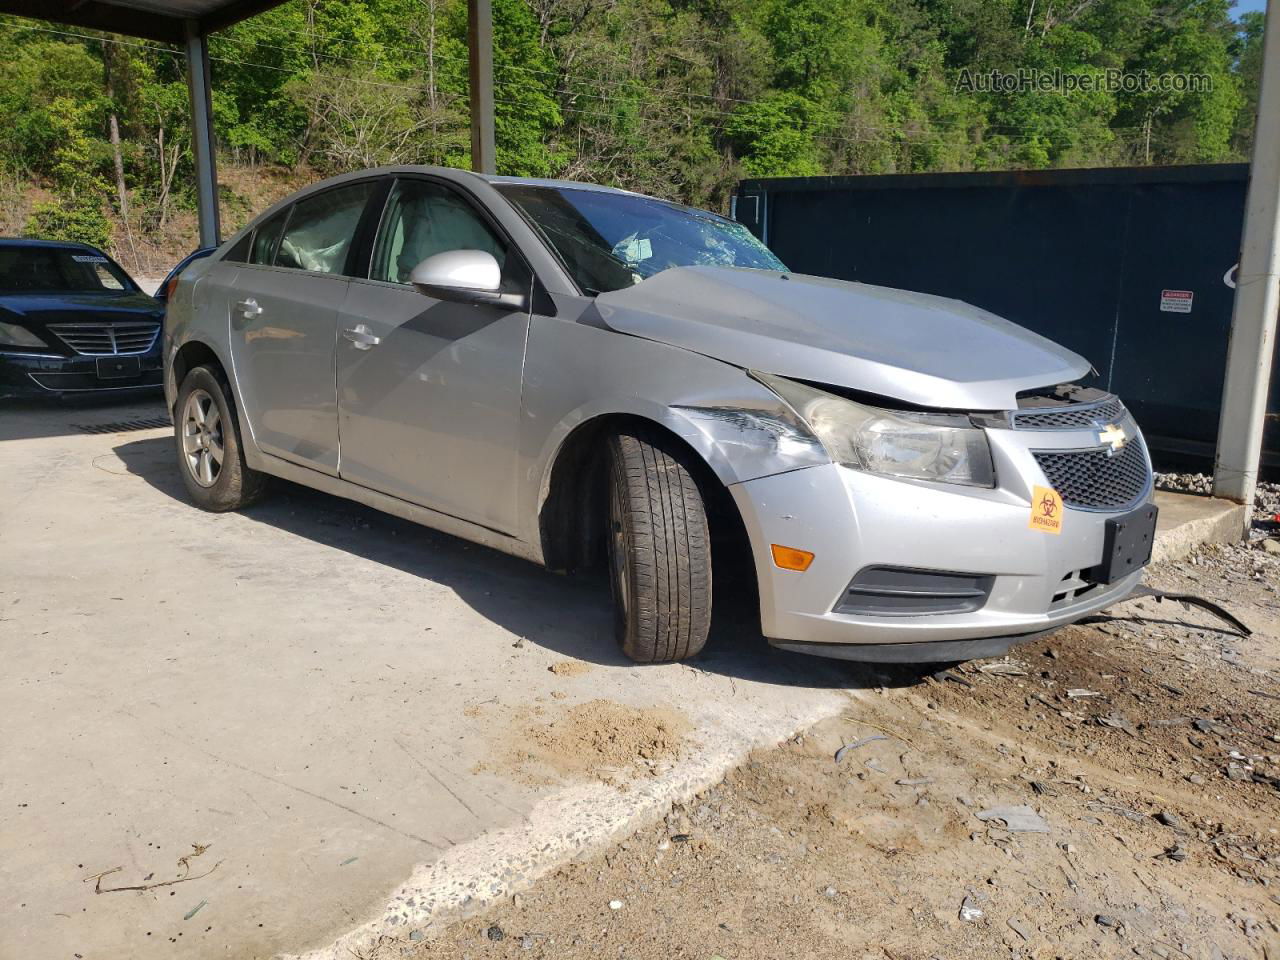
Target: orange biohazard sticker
<point x="1046" y="510"/>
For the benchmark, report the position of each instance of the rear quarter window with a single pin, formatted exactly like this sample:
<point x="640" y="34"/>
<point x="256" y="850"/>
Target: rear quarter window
<point x="267" y="237"/>
<point x="240" y="252"/>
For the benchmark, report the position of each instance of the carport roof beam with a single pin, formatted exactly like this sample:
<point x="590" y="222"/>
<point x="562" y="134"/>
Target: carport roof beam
<point x="149" y="19"/>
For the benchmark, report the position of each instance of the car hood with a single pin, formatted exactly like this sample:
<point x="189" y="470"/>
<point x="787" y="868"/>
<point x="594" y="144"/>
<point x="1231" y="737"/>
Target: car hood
<point x="920" y="349"/>
<point x="41" y="308"/>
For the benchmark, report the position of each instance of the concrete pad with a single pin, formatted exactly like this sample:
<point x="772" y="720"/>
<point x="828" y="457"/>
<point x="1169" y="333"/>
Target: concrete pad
<point x="310" y="690"/>
<point x="311" y="693"/>
<point x="1186" y="521"/>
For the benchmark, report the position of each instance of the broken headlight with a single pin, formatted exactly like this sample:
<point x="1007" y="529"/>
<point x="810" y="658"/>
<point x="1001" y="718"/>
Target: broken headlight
<point x="946" y="448"/>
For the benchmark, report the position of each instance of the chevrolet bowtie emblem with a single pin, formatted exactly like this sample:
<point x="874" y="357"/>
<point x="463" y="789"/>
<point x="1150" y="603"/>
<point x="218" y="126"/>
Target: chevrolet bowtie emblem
<point x="1113" y="437"/>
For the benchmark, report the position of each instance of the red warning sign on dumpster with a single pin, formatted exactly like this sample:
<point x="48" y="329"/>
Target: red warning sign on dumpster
<point x="1176" y="301"/>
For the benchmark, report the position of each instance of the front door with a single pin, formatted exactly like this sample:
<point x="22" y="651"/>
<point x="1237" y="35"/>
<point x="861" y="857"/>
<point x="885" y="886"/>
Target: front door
<point x="284" y="316"/>
<point x="428" y="390"/>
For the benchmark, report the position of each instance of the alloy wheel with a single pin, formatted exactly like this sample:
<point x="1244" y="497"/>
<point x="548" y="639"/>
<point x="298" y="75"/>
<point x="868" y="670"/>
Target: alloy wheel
<point x="202" y="437"/>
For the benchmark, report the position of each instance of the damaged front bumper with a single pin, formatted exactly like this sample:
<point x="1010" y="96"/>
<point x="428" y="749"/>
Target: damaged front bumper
<point x="964" y="571"/>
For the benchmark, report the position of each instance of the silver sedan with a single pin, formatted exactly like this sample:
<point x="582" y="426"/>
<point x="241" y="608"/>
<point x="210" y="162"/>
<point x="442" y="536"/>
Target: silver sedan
<point x="582" y="376"/>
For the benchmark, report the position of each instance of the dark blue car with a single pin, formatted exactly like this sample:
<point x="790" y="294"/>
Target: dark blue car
<point x="72" y="321"/>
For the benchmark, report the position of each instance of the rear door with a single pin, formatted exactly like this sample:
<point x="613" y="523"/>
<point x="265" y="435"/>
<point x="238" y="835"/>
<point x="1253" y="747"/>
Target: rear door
<point x="428" y="390"/>
<point x="284" y="314"/>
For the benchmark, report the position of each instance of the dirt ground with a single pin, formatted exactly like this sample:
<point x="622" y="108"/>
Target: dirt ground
<point x="1141" y="753"/>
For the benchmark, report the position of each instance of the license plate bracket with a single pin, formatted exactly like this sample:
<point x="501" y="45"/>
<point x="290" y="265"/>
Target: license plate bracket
<point x="117" y="368"/>
<point x="1127" y="544"/>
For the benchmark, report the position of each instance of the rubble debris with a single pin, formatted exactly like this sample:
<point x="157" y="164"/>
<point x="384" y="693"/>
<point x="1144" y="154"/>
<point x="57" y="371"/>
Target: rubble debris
<point x="1173" y="821"/>
<point x="858" y="743"/>
<point x="194" y="910"/>
<point x="1020" y="928"/>
<point x="1017" y="818"/>
<point x="1118" y="810"/>
<point x="1003" y="668"/>
<point x="1177" y="853"/>
<point x="970" y="911"/>
<point x="1118" y="721"/>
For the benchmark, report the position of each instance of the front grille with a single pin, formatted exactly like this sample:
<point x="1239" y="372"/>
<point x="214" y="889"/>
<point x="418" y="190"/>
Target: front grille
<point x="1094" y="480"/>
<point x="902" y="592"/>
<point x="103" y="339"/>
<point x="1071" y="588"/>
<point x="1072" y="417"/>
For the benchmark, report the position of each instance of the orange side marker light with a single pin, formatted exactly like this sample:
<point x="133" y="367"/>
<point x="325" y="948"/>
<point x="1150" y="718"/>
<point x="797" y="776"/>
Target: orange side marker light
<point x="791" y="558"/>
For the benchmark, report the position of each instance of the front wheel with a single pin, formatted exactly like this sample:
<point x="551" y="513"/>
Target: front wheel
<point x="210" y="454"/>
<point x="659" y="549"/>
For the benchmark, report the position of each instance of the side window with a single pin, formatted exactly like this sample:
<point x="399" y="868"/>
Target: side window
<point x="266" y="237"/>
<point x="422" y="219"/>
<point x="322" y="228"/>
<point x="240" y="252"/>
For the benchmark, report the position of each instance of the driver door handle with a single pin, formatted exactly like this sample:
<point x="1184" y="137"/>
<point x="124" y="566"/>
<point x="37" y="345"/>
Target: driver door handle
<point x="361" y="337"/>
<point x="249" y="308"/>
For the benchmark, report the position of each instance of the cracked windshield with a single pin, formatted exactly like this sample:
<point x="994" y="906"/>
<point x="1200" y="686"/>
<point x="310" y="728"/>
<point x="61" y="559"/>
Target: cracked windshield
<point x="608" y="241"/>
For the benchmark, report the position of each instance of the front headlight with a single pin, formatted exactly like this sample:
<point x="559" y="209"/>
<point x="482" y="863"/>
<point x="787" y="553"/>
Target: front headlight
<point x="946" y="448"/>
<point x="12" y="335"/>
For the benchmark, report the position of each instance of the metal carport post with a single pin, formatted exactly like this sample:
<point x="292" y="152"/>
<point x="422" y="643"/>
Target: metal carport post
<point x="202" y="140"/>
<point x="1253" y="320"/>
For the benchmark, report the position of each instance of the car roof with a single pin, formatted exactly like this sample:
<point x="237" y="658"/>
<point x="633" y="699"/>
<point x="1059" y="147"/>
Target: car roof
<point x="564" y="185"/>
<point x="460" y="174"/>
<point x="47" y="244"/>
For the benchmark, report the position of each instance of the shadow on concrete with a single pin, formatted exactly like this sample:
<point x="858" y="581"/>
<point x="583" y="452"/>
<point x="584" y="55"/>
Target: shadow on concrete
<point x="60" y="417"/>
<point x="570" y="615"/>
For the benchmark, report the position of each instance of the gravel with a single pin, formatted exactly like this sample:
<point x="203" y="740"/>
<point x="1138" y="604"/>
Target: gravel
<point x="1266" y="503"/>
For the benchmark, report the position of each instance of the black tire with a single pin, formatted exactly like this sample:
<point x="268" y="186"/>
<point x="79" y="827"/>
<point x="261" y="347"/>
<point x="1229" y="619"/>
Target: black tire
<point x="659" y="549"/>
<point x="226" y="485"/>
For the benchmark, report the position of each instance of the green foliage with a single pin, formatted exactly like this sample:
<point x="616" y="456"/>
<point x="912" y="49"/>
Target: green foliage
<point x="774" y="135"/>
<point x="673" y="97"/>
<point x="71" y="163"/>
<point x="80" y="219"/>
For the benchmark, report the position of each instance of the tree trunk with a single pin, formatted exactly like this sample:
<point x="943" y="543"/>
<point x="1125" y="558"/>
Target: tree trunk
<point x="113" y="125"/>
<point x="117" y="158"/>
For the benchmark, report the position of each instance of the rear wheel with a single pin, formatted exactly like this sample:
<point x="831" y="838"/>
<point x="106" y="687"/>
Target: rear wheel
<point x="659" y="549"/>
<point x="210" y="454"/>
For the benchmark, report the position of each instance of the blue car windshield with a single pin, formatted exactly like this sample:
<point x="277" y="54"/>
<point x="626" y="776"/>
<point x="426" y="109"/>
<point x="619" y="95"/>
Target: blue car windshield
<point x="33" y="269"/>
<point x="608" y="241"/>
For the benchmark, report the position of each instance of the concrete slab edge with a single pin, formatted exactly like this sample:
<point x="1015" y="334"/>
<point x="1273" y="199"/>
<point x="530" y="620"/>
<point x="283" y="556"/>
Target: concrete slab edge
<point x="1223" y="526"/>
<point x="576" y="822"/>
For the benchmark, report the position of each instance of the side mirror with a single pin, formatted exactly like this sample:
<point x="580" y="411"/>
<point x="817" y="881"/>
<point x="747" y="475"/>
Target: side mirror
<point x="464" y="276"/>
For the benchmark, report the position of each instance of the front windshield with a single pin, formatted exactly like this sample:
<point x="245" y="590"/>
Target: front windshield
<point x="59" y="270"/>
<point x="608" y="240"/>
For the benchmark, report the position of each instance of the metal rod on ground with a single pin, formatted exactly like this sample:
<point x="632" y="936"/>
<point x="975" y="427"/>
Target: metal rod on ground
<point x="480" y="70"/>
<point x="202" y="134"/>
<point x="1253" y="320"/>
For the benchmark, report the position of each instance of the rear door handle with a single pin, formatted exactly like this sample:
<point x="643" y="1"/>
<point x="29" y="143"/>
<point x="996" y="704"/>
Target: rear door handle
<point x="361" y="337"/>
<point x="249" y="308"/>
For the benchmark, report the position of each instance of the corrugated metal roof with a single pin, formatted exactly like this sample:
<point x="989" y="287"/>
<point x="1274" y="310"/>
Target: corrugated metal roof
<point x="151" y="19"/>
